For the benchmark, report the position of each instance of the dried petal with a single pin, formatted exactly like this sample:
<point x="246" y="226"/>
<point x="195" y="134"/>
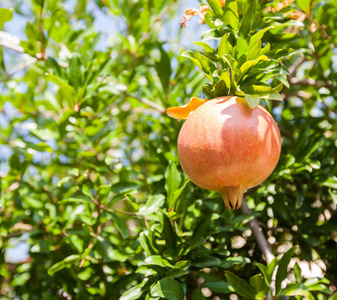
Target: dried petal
<point x="182" y="112"/>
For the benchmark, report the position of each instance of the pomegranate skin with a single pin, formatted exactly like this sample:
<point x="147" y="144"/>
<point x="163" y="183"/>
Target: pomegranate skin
<point x="227" y="147"/>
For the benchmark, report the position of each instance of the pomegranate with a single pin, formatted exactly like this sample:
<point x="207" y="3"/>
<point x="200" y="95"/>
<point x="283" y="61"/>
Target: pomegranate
<point x="227" y="147"/>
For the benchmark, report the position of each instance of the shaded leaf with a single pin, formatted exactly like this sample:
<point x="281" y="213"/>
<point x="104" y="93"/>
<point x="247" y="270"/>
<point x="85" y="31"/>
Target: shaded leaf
<point x="282" y="271"/>
<point x="168" y="288"/>
<point x="240" y="286"/>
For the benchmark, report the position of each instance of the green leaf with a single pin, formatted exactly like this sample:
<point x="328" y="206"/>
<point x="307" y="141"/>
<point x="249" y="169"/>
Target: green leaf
<point x="333" y="297"/>
<point x="230" y="261"/>
<point x="66" y="89"/>
<point x="240" y="286"/>
<point x="221" y="89"/>
<point x="135" y="292"/>
<point x="259" y="285"/>
<point x="253" y="100"/>
<point x="124" y="187"/>
<point x="203" y="62"/>
<point x="167" y="232"/>
<point x="264" y="92"/>
<point x="268" y="270"/>
<point x="282" y="271"/>
<point x="231" y="16"/>
<point x="305" y="5"/>
<point x="216" y="8"/>
<point x="206" y="47"/>
<point x="225" y="46"/>
<point x="206" y="261"/>
<point x="248" y="17"/>
<point x="158" y="260"/>
<point x="258" y="35"/>
<point x="76" y="200"/>
<point x="219" y="286"/>
<point x="5" y="16"/>
<point x="172" y="183"/>
<point x="74" y="73"/>
<point x="319" y="288"/>
<point x="119" y="223"/>
<point x="63" y="263"/>
<point x="253" y="52"/>
<point x="152" y="205"/>
<point x="298" y="273"/>
<point x="241" y="47"/>
<point x="163" y="68"/>
<point x="232" y="63"/>
<point x="333" y="195"/>
<point x="197" y="295"/>
<point x="248" y="65"/>
<point x="168" y="288"/>
<point x="176" y="273"/>
<point x="147" y="245"/>
<point x="213" y="34"/>
<point x="195" y="243"/>
<point x="295" y="289"/>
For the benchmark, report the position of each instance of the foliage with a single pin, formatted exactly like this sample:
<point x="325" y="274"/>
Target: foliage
<point x="90" y="178"/>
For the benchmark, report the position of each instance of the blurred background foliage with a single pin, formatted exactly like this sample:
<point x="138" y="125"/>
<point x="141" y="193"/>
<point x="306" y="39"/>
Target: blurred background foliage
<point x="94" y="204"/>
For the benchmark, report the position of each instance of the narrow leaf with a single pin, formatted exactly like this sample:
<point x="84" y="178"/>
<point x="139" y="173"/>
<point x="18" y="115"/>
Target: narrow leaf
<point x="298" y="273"/>
<point x="225" y="47"/>
<point x="295" y="289"/>
<point x="267" y="271"/>
<point x="119" y="223"/>
<point x="231" y="16"/>
<point x="158" y="260"/>
<point x="65" y="87"/>
<point x="167" y="232"/>
<point x="264" y="92"/>
<point x="63" y="263"/>
<point x="259" y="285"/>
<point x="248" y="17"/>
<point x="249" y="64"/>
<point x="134" y="293"/>
<point x="240" y="286"/>
<point x="203" y="62"/>
<point x="282" y="271"/>
<point x="216" y="7"/>
<point x="258" y="35"/>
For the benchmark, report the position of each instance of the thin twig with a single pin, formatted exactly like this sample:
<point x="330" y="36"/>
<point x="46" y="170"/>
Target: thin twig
<point x="258" y="233"/>
<point x="260" y="238"/>
<point x="38" y="56"/>
<point x="148" y="102"/>
<point x="293" y="68"/>
<point x="13" y="47"/>
<point x="312" y="82"/>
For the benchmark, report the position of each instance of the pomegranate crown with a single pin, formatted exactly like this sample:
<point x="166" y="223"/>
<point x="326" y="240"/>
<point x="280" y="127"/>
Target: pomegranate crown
<point x="243" y="64"/>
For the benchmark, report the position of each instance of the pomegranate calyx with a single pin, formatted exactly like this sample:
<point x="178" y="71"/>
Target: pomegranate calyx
<point x="183" y="112"/>
<point x="232" y="196"/>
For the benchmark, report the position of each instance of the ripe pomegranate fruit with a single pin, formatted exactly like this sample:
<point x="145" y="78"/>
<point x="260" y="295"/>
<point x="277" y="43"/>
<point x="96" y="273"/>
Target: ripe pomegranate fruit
<point x="227" y="147"/>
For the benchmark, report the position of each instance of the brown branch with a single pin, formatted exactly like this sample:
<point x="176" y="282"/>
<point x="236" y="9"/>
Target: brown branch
<point x="38" y="56"/>
<point x="258" y="233"/>
<point x="293" y="68"/>
<point x="13" y="47"/>
<point x="312" y="82"/>
<point x="148" y="102"/>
